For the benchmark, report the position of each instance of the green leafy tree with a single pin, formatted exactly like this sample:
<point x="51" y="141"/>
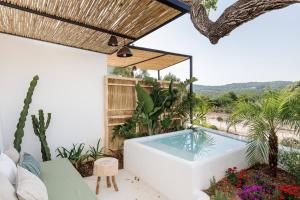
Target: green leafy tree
<point x="121" y="71"/>
<point x="170" y="77"/>
<point x="210" y="5"/>
<point x="142" y="73"/>
<point x="265" y="117"/>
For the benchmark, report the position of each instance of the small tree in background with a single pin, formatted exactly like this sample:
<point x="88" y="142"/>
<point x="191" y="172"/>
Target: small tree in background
<point x="265" y="117"/>
<point x="121" y="71"/>
<point x="142" y="73"/>
<point x="220" y="120"/>
<point x="170" y="77"/>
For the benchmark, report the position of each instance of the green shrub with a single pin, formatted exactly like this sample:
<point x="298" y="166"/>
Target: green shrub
<point x="213" y="185"/>
<point x="219" y="196"/>
<point x="290" y="160"/>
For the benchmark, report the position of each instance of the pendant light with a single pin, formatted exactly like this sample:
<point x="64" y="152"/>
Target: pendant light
<point x="113" y="41"/>
<point x="124" y="52"/>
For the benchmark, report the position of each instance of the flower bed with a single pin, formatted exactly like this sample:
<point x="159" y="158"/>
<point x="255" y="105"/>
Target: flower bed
<point x="255" y="184"/>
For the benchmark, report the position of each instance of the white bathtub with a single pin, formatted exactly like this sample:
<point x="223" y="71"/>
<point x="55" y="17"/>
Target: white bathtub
<point x="175" y="177"/>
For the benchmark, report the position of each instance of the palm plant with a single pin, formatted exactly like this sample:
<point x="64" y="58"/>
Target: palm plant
<point x="201" y="108"/>
<point x="265" y="117"/>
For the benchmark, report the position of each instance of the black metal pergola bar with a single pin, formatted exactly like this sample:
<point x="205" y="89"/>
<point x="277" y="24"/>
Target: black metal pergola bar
<point x="176" y="4"/>
<point x="191" y="89"/>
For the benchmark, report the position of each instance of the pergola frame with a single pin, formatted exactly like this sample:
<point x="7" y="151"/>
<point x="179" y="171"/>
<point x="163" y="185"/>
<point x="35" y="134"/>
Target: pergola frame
<point x="161" y="54"/>
<point x="178" y="5"/>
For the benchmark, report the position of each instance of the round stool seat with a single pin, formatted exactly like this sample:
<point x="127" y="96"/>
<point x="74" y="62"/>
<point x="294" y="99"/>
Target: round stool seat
<point x="106" y="167"/>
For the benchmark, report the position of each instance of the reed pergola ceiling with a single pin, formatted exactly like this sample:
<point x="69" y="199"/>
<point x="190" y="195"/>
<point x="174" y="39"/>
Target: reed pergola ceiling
<point x="86" y="24"/>
<point x="145" y="58"/>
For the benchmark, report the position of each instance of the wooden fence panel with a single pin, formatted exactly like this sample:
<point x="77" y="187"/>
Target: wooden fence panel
<point x="120" y="102"/>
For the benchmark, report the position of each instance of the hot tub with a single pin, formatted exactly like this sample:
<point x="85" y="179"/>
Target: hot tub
<point x="180" y="164"/>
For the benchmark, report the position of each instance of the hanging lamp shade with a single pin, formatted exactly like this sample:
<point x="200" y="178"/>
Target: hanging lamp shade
<point x="124" y="52"/>
<point x="113" y="41"/>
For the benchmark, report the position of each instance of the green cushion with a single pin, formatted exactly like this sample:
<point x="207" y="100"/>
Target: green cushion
<point x="31" y="164"/>
<point x="63" y="182"/>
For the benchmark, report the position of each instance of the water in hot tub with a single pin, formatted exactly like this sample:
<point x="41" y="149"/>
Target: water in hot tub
<point x="194" y="145"/>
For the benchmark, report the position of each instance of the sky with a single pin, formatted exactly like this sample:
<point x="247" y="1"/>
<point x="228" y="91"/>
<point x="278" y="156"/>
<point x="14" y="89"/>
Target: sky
<point x="264" y="49"/>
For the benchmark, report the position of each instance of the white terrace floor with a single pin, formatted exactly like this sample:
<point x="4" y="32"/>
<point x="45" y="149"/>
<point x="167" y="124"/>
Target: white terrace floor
<point x="129" y="189"/>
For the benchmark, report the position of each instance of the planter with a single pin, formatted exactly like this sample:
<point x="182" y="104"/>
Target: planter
<point x="118" y="154"/>
<point x="86" y="169"/>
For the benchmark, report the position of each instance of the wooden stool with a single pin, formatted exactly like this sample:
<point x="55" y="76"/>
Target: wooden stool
<point x="106" y="167"/>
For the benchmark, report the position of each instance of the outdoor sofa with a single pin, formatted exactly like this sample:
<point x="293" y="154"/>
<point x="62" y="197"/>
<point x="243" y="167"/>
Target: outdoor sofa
<point x="63" y="182"/>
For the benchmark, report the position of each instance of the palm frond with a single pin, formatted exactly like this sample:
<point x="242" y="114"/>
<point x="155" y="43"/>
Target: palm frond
<point x="290" y="110"/>
<point x="257" y="147"/>
<point x="245" y="112"/>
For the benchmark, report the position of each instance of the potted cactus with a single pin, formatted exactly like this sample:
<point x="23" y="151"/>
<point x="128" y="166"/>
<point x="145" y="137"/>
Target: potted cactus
<point x="40" y="127"/>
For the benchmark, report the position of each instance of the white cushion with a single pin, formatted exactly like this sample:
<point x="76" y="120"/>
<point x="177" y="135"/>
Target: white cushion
<point x="7" y="190"/>
<point x="8" y="168"/>
<point x="29" y="186"/>
<point x="13" y="154"/>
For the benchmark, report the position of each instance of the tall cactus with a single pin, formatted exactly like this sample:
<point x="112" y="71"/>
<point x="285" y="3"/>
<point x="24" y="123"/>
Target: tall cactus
<point x="40" y="127"/>
<point x="22" y="119"/>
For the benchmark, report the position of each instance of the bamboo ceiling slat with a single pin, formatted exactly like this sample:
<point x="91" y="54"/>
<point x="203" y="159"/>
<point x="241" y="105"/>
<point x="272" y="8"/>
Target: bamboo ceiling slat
<point x="161" y="62"/>
<point x="138" y="56"/>
<point x="133" y="18"/>
<point x="146" y="59"/>
<point x="33" y="26"/>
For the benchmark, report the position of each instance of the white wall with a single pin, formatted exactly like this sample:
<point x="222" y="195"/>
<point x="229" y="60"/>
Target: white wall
<point x="1" y="137"/>
<point x="71" y="87"/>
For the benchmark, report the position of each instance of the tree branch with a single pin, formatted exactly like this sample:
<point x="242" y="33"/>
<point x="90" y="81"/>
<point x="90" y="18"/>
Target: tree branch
<point x="237" y="14"/>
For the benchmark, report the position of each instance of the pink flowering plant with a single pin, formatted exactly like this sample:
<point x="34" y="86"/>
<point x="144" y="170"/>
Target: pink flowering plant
<point x="237" y="179"/>
<point x="252" y="192"/>
<point x="231" y="175"/>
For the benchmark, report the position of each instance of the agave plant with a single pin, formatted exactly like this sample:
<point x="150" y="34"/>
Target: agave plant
<point x="265" y="118"/>
<point x="96" y="152"/>
<point x="75" y="155"/>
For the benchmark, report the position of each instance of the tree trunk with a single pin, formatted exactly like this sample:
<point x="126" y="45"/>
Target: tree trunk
<point x="273" y="153"/>
<point x="240" y="12"/>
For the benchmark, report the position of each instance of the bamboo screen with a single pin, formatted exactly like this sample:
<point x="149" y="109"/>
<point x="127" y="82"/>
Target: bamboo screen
<point x="120" y="102"/>
<point x="49" y="20"/>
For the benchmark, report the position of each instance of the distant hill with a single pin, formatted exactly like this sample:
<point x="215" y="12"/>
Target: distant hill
<point x="238" y="88"/>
